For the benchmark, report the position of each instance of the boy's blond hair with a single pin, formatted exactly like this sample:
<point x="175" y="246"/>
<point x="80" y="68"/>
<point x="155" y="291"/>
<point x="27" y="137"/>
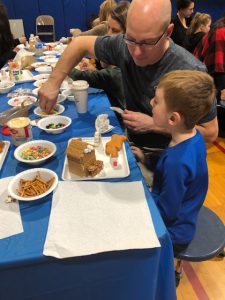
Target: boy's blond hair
<point x="190" y="93"/>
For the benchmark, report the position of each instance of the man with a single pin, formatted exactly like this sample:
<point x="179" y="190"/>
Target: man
<point x="144" y="55"/>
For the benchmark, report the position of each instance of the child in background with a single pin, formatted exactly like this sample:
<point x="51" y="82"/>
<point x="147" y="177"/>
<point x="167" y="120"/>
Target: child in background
<point x="181" y="177"/>
<point x="200" y="25"/>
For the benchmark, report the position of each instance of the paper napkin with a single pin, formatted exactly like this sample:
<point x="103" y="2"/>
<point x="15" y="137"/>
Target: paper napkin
<point x="92" y="217"/>
<point x="10" y="218"/>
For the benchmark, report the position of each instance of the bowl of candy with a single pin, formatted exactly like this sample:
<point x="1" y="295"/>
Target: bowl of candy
<point x="69" y="94"/>
<point x="54" y="124"/>
<point x="33" y="184"/>
<point x="57" y="110"/>
<point x="6" y="86"/>
<point x="35" y="152"/>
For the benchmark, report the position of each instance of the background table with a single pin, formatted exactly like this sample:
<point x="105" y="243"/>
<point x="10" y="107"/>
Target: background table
<point x="127" y="275"/>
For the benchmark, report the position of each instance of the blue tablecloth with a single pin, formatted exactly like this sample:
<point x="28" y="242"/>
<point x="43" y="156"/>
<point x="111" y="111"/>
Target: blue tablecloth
<point x="127" y="275"/>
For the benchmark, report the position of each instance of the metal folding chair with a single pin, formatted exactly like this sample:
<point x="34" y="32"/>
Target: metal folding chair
<point x="45" y="26"/>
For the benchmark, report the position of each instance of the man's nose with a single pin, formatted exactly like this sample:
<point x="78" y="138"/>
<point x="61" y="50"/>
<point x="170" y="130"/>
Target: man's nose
<point x="137" y="51"/>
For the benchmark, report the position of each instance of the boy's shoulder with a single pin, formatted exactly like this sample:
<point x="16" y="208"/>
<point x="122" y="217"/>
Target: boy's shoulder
<point x="186" y="152"/>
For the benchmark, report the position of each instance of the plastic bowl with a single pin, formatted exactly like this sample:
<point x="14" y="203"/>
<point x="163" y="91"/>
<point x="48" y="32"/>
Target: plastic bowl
<point x="39" y="83"/>
<point x="46" y="69"/>
<point x="18" y="152"/>
<point x="68" y="94"/>
<point x="54" y="120"/>
<point x="6" y="86"/>
<point x="59" y="109"/>
<point x="41" y="76"/>
<point x="30" y="174"/>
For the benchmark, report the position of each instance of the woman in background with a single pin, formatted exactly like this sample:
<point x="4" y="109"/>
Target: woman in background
<point x="7" y="41"/>
<point x="100" y="24"/>
<point x="200" y="25"/>
<point x="182" y="20"/>
<point x="109" y="78"/>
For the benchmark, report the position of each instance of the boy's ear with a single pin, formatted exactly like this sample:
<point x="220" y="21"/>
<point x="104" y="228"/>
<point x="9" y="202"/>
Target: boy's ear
<point x="175" y="118"/>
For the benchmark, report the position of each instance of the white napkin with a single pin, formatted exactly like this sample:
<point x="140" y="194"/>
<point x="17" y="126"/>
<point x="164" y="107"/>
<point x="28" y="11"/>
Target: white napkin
<point x="92" y="217"/>
<point x="10" y="218"/>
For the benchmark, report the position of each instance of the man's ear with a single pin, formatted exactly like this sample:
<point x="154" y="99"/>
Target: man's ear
<point x="174" y="119"/>
<point x="169" y="30"/>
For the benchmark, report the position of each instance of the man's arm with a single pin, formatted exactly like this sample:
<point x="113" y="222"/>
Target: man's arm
<point x="75" y="51"/>
<point x="209" y="130"/>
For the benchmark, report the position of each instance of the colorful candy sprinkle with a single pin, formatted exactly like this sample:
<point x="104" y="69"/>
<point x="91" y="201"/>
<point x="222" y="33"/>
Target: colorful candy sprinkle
<point x="55" y="126"/>
<point x="35" y="153"/>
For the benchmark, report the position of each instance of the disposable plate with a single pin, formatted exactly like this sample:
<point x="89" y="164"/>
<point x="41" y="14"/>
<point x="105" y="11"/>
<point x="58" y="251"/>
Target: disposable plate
<point x="4" y="153"/>
<point x="123" y="169"/>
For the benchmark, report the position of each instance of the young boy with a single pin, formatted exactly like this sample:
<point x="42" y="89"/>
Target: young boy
<point x="181" y="177"/>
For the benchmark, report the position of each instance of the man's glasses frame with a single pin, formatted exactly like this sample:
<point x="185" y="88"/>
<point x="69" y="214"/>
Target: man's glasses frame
<point x="143" y="45"/>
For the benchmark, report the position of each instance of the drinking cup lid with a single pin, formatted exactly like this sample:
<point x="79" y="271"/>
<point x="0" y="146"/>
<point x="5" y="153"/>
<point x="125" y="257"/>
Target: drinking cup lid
<point x="80" y="84"/>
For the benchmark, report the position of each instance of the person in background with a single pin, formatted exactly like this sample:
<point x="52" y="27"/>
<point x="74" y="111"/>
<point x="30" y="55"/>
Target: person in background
<point x="180" y="183"/>
<point x="182" y="20"/>
<point x="211" y="51"/>
<point x="100" y="25"/>
<point x="200" y="25"/>
<point x="8" y="44"/>
<point x="109" y="78"/>
<point x="144" y="54"/>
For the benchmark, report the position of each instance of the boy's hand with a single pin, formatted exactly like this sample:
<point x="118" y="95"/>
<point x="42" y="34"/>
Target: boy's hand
<point x="138" y="153"/>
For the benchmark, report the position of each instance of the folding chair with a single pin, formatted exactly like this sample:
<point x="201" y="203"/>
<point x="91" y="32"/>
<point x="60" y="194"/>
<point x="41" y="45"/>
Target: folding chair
<point x="45" y="26"/>
<point x="208" y="242"/>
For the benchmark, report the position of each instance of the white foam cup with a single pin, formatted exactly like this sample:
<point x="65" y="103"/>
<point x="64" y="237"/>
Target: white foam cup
<point x="80" y="91"/>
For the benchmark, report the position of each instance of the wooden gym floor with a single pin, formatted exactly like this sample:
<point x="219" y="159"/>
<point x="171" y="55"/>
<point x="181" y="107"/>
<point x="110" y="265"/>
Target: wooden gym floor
<point x="206" y="280"/>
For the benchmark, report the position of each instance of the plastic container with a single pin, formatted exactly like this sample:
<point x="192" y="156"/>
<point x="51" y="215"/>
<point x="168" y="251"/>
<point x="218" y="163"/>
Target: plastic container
<point x="39" y="49"/>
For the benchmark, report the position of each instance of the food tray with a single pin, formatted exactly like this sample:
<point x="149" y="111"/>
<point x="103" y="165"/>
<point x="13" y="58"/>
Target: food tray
<point x="123" y="169"/>
<point x="4" y="153"/>
<point x="26" y="77"/>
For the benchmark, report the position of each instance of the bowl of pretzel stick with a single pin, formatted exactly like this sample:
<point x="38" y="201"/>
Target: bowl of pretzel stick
<point x="33" y="184"/>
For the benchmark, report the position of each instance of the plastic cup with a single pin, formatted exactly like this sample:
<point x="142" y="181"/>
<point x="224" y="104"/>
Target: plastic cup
<point x="20" y="130"/>
<point x="80" y="92"/>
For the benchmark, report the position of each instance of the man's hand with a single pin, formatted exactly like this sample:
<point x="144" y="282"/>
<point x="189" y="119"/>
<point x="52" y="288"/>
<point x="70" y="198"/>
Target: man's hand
<point x="47" y="95"/>
<point x="137" y="122"/>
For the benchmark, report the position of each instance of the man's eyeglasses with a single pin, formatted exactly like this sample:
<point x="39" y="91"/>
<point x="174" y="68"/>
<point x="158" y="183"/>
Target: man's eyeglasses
<point x="144" y="44"/>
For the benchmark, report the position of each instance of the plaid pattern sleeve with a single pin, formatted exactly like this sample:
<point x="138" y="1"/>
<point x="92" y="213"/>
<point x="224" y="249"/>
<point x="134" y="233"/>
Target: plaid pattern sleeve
<point x="211" y="51"/>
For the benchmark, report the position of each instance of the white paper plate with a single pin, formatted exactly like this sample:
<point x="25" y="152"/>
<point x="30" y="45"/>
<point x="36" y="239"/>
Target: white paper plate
<point x="44" y="57"/>
<point x="46" y="69"/>
<point x="4" y="153"/>
<point x="35" y="91"/>
<point x="51" y="52"/>
<point x="51" y="60"/>
<point x="41" y="76"/>
<point x="39" y="64"/>
<point x="123" y="169"/>
<point x="38" y="111"/>
<point x="39" y="83"/>
<point x="17" y="101"/>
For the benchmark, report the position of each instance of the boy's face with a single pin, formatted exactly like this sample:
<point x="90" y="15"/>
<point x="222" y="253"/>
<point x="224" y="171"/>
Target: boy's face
<point x="160" y="113"/>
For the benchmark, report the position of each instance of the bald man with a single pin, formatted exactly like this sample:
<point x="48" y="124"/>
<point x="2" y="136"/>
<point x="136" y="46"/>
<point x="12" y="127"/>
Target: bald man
<point x="144" y="54"/>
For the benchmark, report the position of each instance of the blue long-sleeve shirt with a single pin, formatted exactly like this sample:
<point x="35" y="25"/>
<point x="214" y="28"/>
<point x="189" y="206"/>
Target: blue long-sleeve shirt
<point x="180" y="186"/>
